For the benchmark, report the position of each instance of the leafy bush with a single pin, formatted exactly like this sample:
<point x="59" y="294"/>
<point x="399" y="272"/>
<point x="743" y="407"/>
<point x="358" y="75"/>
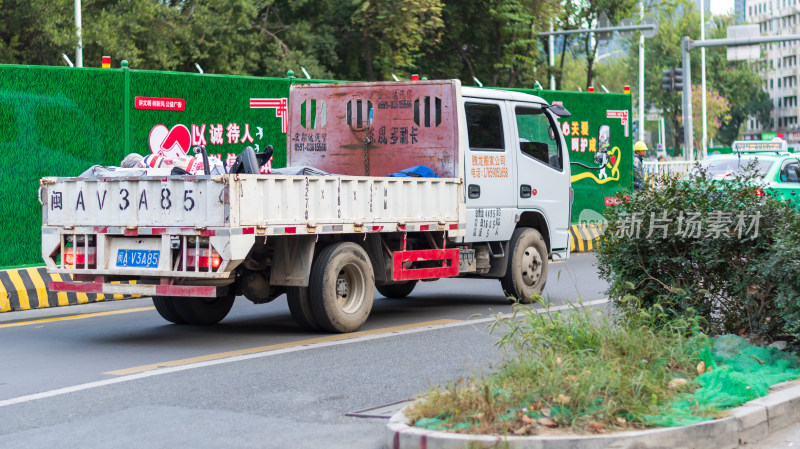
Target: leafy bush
<point x="719" y="250"/>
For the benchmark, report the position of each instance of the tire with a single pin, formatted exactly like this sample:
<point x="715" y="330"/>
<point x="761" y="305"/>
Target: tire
<point x="204" y="311"/>
<point x="397" y="291"/>
<point x="165" y="306"/>
<point x="342" y="287"/>
<point x="526" y="274"/>
<point x="300" y="308"/>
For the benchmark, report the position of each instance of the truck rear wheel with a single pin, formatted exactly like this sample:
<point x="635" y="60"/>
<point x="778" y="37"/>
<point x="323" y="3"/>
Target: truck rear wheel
<point x="300" y="308"/>
<point x="397" y="291"/>
<point x="527" y="266"/>
<point x="165" y="306"/>
<point x="204" y="311"/>
<point x="342" y="287"/>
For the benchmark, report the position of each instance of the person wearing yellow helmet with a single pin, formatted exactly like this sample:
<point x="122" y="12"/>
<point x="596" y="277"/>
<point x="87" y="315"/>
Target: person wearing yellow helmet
<point x="639" y="152"/>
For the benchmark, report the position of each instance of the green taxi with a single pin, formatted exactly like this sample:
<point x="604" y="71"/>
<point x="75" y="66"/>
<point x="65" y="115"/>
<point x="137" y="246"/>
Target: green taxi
<point x="779" y="169"/>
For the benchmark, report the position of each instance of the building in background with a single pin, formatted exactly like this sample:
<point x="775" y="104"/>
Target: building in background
<point x="778" y="66"/>
<point x="738" y="10"/>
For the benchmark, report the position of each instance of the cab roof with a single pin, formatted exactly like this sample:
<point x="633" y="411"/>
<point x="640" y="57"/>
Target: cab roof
<point x="498" y="94"/>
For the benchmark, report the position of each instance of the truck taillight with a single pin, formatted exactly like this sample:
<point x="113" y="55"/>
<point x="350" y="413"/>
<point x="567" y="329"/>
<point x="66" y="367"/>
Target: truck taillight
<point x="80" y="256"/>
<point x="202" y="258"/>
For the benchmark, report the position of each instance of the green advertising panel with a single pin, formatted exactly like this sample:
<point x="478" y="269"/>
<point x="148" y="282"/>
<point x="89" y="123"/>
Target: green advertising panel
<point x="170" y="111"/>
<point x="59" y="121"/>
<point x="599" y="136"/>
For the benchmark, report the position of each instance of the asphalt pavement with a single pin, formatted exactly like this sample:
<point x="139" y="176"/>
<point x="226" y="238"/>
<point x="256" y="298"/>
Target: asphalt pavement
<point x="57" y="390"/>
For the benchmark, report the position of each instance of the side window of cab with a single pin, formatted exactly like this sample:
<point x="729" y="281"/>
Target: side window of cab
<point x="484" y="127"/>
<point x="537" y="138"/>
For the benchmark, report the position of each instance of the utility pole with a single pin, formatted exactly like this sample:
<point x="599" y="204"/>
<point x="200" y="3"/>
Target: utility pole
<point x="551" y="57"/>
<point x="703" y="79"/>
<point x="79" y="48"/>
<point x="688" y="136"/>
<point x="641" y="75"/>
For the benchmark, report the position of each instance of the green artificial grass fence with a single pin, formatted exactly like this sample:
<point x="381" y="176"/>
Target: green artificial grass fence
<point x="59" y="121"/>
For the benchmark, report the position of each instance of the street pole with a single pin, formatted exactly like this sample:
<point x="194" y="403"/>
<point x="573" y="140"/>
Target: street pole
<point x="703" y="80"/>
<point x="641" y="76"/>
<point x="688" y="143"/>
<point x="551" y="57"/>
<point x="79" y="48"/>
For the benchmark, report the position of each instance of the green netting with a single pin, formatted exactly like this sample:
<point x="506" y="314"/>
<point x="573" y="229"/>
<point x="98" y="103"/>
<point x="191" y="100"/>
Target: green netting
<point x="740" y="372"/>
<point x="736" y="372"/>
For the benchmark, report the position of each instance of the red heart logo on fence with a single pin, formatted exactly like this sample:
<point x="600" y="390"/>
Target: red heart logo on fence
<point x="172" y="143"/>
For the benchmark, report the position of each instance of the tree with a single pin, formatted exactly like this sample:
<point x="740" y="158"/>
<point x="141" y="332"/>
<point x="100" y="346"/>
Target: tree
<point x="717" y="114"/>
<point x="36" y="32"/>
<point x="588" y="13"/>
<point x="393" y="31"/>
<point x="494" y="41"/>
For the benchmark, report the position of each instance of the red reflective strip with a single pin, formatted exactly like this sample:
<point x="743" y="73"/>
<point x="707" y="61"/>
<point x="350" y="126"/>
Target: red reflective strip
<point x="86" y="287"/>
<point x="401" y="227"/>
<point x="400" y="273"/>
<point x="131" y="232"/>
<point x="208" y="233"/>
<point x="186" y="290"/>
<point x="248" y="230"/>
<point x="187" y="229"/>
<point x="424" y="227"/>
<point x="454" y="226"/>
<point x="377" y="228"/>
<point x="158" y="231"/>
<point x="292" y="230"/>
<point x="100" y="230"/>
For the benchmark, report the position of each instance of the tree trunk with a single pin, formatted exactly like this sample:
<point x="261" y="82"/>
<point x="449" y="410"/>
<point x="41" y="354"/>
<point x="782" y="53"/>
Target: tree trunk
<point x="589" y="60"/>
<point x="368" y="56"/>
<point x="560" y="73"/>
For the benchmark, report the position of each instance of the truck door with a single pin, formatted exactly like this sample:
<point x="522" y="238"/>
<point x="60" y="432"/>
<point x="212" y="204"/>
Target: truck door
<point x="542" y="183"/>
<point x="489" y="174"/>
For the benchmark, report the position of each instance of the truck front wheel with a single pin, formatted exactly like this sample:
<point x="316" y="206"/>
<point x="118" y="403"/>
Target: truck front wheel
<point x="165" y="306"/>
<point x="342" y="287"/>
<point x="204" y="311"/>
<point x="527" y="266"/>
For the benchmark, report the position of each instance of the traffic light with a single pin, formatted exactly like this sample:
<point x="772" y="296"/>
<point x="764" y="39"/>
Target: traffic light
<point x="677" y="79"/>
<point x="668" y="80"/>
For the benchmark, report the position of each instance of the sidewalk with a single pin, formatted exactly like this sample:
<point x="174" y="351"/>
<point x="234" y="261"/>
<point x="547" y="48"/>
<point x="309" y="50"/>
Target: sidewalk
<point x="788" y="437"/>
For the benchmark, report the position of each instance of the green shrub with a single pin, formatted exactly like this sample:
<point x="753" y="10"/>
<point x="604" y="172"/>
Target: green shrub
<point x="739" y="274"/>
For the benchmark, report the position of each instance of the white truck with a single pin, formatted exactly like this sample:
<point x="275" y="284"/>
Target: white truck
<point x="498" y="206"/>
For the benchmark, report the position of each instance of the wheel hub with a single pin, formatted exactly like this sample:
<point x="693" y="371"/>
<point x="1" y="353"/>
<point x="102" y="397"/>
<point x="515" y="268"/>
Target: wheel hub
<point x="342" y="289"/>
<point x="531" y="264"/>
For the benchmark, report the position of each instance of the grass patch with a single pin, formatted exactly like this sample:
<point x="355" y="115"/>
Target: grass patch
<point x="581" y="371"/>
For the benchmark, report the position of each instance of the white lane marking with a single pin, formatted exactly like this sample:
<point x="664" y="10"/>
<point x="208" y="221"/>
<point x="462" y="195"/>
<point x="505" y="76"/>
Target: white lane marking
<point x="174" y="369"/>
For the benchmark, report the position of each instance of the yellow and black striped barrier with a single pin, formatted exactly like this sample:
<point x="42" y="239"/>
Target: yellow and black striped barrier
<point x="584" y="237"/>
<point x="26" y="288"/>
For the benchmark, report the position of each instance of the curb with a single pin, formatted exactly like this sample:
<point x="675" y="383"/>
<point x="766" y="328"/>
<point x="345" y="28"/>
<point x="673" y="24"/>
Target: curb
<point x="27" y="288"/>
<point x="584" y="237"/>
<point x="749" y="423"/>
